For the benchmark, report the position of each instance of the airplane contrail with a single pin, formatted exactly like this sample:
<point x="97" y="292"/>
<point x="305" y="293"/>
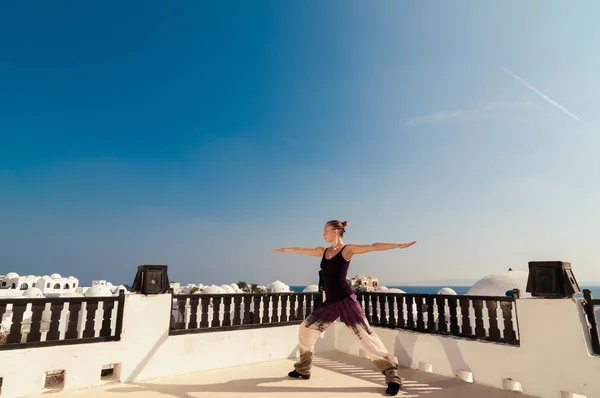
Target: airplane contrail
<point x="547" y="99"/>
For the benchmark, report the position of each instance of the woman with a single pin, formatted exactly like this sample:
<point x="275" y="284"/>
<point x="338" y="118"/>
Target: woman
<point x="341" y="302"/>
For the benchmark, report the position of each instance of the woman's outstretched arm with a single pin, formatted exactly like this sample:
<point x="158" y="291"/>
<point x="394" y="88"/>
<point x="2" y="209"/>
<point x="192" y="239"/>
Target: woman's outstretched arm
<point x="317" y="251"/>
<point x="361" y="249"/>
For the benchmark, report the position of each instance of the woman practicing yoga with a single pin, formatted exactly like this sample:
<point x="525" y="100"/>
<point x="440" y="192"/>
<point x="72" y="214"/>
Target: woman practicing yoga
<point x="341" y="302"/>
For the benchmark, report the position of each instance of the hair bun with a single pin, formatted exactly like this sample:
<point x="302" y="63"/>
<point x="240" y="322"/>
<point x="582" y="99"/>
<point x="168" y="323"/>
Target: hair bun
<point x="345" y="223"/>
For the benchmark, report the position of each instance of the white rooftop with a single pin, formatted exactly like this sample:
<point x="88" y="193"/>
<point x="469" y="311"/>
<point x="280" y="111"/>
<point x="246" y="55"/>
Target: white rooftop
<point x="334" y="375"/>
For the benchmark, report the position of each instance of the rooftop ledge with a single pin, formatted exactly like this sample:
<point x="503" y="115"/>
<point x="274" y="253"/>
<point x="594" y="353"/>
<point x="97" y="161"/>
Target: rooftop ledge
<point x="193" y="345"/>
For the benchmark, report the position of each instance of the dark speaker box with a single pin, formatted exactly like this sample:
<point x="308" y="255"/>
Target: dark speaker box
<point x="551" y="279"/>
<point x="151" y="279"/>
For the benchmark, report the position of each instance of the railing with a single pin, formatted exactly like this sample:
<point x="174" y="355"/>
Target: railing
<point x="197" y="313"/>
<point x="474" y="317"/>
<point x="38" y="322"/>
<point x="590" y="310"/>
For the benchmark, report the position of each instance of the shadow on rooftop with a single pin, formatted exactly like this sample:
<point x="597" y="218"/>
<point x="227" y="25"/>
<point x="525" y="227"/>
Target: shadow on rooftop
<point x="243" y="386"/>
<point x="416" y="384"/>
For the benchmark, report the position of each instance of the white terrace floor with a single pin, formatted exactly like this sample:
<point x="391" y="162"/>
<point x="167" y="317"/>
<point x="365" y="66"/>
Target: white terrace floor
<point x="334" y="375"/>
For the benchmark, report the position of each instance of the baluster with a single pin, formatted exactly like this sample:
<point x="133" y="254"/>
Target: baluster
<point x="18" y="309"/>
<point x="391" y="302"/>
<point x="301" y="298"/>
<point x="509" y="331"/>
<point x="120" y="313"/>
<point x="37" y="309"/>
<point x="441" y="304"/>
<point x="284" y="302"/>
<point x="216" y="321"/>
<point x="227" y="314"/>
<point x="401" y="321"/>
<point x="247" y="309"/>
<point x="492" y="306"/>
<point x="275" y="314"/>
<point x="430" y="314"/>
<point x="293" y="299"/>
<point x="90" y="319"/>
<point x="383" y="314"/>
<point x="410" y="323"/>
<point x="108" y="305"/>
<point x="467" y="330"/>
<point x="420" y="321"/>
<point x="454" y="329"/>
<point x="478" y="307"/>
<point x="309" y="306"/>
<point x="205" y="303"/>
<point x="266" y="307"/>
<point x="256" y="315"/>
<point x="194" y="302"/>
<point x="180" y="324"/>
<point x="74" y="310"/>
<point x="56" y="309"/>
<point x="374" y="308"/>
<point x="237" y="310"/>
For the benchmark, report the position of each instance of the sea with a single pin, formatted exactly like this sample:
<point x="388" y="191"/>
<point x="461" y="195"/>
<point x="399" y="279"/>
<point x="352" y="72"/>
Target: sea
<point x="458" y="289"/>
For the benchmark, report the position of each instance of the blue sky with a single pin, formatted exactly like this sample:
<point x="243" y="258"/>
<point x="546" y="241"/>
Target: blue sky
<point x="200" y="135"/>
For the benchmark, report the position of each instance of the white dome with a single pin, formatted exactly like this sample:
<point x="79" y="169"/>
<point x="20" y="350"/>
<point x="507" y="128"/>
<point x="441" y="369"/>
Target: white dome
<point x="262" y="289"/>
<point x="311" y="289"/>
<point x="227" y="288"/>
<point x="447" y="290"/>
<point x="98" y="291"/>
<point x="213" y="289"/>
<point x="33" y="292"/>
<point x="117" y="289"/>
<point x="381" y="289"/>
<point x="45" y="277"/>
<point x="55" y="276"/>
<point x="108" y="284"/>
<point x="279" y="287"/>
<point x="71" y="277"/>
<point x="12" y="275"/>
<point x="234" y="286"/>
<point x="394" y="290"/>
<point x="30" y="276"/>
<point x="500" y="283"/>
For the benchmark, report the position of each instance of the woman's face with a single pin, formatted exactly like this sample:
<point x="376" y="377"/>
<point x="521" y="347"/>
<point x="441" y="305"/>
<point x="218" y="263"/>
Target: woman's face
<point x="329" y="233"/>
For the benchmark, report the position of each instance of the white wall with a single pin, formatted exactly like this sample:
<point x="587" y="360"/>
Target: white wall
<point x="555" y="353"/>
<point x="554" y="356"/>
<point x="146" y="351"/>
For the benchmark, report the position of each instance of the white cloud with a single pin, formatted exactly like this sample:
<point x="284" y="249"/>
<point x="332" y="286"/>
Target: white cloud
<point x="465" y="115"/>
